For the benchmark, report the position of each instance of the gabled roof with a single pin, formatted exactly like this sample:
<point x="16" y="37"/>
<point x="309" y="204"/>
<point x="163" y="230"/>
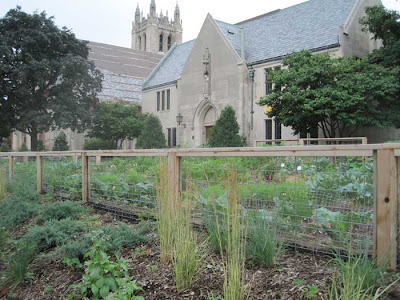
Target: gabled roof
<point x="311" y="25"/>
<point x="124" y="70"/>
<point x="171" y="66"/>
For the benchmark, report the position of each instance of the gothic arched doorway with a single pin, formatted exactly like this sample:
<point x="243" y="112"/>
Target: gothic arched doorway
<point x="203" y="122"/>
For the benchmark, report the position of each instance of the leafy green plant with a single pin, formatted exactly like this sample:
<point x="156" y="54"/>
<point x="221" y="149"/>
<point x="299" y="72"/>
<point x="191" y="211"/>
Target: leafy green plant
<point x="61" y="210"/>
<point x="263" y="245"/>
<point x="74" y="263"/>
<point x="310" y="291"/>
<point x="102" y="275"/>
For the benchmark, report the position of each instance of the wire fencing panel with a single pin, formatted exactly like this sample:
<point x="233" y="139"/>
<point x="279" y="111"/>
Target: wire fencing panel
<point x="62" y="176"/>
<point x="4" y="165"/>
<point x="315" y="203"/>
<point x="25" y="170"/>
<point x="127" y="181"/>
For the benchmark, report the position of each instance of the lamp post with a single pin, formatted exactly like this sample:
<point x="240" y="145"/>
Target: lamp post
<point x="179" y="119"/>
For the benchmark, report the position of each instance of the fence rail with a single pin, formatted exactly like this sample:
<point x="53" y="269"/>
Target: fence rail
<point x="386" y="168"/>
<point x="314" y="141"/>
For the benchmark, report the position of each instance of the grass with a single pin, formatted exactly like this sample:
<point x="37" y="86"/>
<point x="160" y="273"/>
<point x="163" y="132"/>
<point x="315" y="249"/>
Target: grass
<point x="358" y="278"/>
<point x="17" y="268"/>
<point x="188" y="255"/>
<point x="263" y="245"/>
<point x="165" y="215"/>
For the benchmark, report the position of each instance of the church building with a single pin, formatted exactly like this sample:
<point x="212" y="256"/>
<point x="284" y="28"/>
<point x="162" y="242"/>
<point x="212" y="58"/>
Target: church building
<point x="228" y="64"/>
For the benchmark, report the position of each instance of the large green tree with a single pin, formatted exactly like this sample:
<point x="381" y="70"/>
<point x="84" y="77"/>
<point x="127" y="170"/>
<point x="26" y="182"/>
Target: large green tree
<point x="336" y="94"/>
<point x="46" y="80"/>
<point x="226" y="130"/>
<point x="152" y="136"/>
<point x="116" y="122"/>
<point x="385" y="25"/>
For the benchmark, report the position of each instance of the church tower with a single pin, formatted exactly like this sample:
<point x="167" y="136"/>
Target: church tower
<point x="156" y="33"/>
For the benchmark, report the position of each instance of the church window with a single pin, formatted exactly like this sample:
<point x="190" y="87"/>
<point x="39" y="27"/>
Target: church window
<point x="169" y="42"/>
<point x="171" y="137"/>
<point x="161" y="43"/>
<point x="278" y="130"/>
<point x="163" y="101"/>
<point x="268" y="129"/>
<point x="268" y="82"/>
<point x="158" y="101"/>
<point x="144" y="42"/>
<point x="168" y="99"/>
<point x="140" y="43"/>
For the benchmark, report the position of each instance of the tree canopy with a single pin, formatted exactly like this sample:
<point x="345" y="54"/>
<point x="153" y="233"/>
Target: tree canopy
<point x="226" y="130"/>
<point x="152" y="136"/>
<point x="116" y="122"/>
<point x="385" y="25"/>
<point x="335" y="94"/>
<point x="47" y="81"/>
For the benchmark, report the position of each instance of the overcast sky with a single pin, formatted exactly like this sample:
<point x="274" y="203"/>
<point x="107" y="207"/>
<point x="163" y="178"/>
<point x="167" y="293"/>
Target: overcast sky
<point x="110" y="21"/>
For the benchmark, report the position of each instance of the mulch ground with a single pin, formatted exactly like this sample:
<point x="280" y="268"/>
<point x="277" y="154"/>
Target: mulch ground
<point x="52" y="279"/>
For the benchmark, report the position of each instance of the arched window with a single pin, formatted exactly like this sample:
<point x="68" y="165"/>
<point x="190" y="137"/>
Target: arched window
<point x="160" y="48"/>
<point x="144" y="42"/>
<point x="169" y="42"/>
<point x="140" y="43"/>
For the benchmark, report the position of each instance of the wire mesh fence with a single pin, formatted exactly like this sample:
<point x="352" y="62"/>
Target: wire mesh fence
<point x="4" y="165"/>
<point x="315" y="203"/>
<point x="125" y="181"/>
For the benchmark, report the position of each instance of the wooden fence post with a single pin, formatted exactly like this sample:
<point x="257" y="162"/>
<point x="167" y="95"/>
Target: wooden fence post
<point x="11" y="167"/>
<point x="174" y="175"/>
<point x="39" y="173"/>
<point x="385" y="207"/>
<point x="98" y="160"/>
<point x="85" y="177"/>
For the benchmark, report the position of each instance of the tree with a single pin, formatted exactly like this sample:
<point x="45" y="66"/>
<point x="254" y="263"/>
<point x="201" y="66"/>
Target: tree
<point x="47" y="81"/>
<point x="152" y="136"/>
<point x="335" y="94"/>
<point x="98" y="144"/>
<point x="116" y="122"/>
<point x="60" y="142"/>
<point x="226" y="130"/>
<point x="385" y="25"/>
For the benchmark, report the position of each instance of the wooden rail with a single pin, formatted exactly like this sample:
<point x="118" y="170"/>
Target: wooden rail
<point x="386" y="176"/>
<point x="314" y="141"/>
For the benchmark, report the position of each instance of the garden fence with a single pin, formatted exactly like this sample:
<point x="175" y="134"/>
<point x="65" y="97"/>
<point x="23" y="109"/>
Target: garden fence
<point x="322" y="198"/>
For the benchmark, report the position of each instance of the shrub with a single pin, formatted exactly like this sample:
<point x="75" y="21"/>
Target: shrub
<point x="4" y="148"/>
<point x="40" y="146"/>
<point x="18" y="264"/>
<point x="23" y="148"/>
<point x="226" y="130"/>
<point x="98" y="144"/>
<point x="60" y="210"/>
<point x="262" y="242"/>
<point x="152" y="136"/>
<point x="60" y="142"/>
<point x="53" y="233"/>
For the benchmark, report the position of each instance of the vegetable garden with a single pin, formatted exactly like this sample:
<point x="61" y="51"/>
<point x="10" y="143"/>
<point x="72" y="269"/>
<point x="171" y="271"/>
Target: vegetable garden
<point x="251" y="209"/>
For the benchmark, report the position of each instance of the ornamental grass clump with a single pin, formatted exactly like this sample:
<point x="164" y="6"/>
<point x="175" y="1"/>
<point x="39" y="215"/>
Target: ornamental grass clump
<point x="234" y="229"/>
<point x="188" y="254"/>
<point x="165" y="215"/>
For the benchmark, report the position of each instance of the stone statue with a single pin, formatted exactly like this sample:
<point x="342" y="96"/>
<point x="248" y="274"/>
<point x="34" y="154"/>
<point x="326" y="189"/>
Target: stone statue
<point x="207" y="72"/>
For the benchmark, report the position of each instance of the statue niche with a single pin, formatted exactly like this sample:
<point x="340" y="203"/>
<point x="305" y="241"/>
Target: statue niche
<point x="207" y="73"/>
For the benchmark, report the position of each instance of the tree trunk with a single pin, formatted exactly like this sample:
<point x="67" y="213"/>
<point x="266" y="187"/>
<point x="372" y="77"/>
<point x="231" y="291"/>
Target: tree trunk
<point x="34" y="139"/>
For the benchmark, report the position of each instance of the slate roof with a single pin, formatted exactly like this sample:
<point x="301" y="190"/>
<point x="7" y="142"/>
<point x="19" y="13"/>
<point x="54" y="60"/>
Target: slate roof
<point x="124" y="70"/>
<point x="311" y="25"/>
<point x="171" y="66"/>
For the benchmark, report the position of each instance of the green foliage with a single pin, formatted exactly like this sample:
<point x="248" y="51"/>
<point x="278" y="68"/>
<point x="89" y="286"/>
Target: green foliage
<point x="333" y="94"/>
<point x="23" y="148"/>
<point x="226" y="130"/>
<point x="103" y="276"/>
<point x="60" y="142"/>
<point x="3" y="183"/>
<point x="40" y="146"/>
<point x="385" y="25"/>
<point x="60" y="210"/>
<point x="310" y="291"/>
<point x="263" y="245"/>
<point x="98" y="144"/>
<point x="50" y="82"/>
<point x="73" y="262"/>
<point x="53" y="233"/>
<point x="4" y="148"/>
<point x="18" y="264"/>
<point x="116" y="122"/>
<point x="152" y="136"/>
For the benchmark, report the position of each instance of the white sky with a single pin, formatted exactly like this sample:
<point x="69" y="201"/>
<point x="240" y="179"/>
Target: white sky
<point x="110" y="21"/>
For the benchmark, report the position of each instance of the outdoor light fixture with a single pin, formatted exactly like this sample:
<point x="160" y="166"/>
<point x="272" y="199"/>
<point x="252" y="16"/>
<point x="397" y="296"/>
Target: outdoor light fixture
<point x="179" y="119"/>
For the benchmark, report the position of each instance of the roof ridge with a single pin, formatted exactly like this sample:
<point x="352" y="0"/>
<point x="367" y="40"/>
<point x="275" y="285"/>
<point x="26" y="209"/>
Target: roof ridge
<point x="228" y="23"/>
<point x="264" y="15"/>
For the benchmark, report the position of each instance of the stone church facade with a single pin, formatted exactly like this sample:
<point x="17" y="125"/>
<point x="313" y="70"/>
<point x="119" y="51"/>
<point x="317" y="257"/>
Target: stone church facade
<point x="228" y="64"/>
